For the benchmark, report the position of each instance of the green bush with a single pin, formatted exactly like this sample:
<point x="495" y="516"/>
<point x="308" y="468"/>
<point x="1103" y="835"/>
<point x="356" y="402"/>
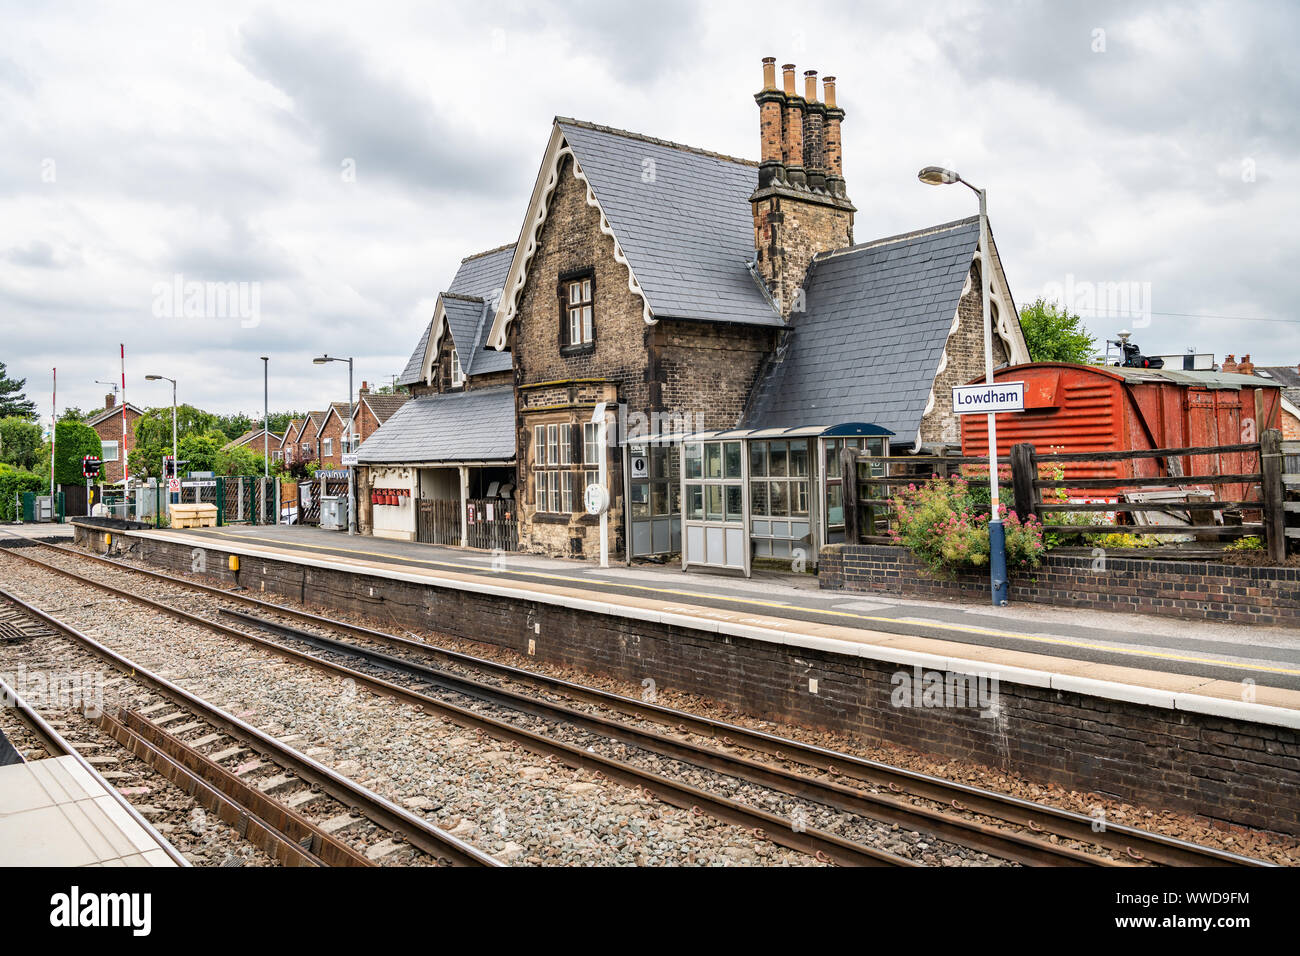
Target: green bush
<point x="937" y="521"/>
<point x="1250" y="543"/>
<point x="14" y="482"/>
<point x="72" y="442"/>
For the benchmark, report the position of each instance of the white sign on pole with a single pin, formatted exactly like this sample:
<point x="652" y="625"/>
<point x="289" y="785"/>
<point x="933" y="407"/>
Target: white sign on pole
<point x="349" y="461"/>
<point x="174" y="485"/>
<point x="639" y="467"/>
<point x="982" y="399"/>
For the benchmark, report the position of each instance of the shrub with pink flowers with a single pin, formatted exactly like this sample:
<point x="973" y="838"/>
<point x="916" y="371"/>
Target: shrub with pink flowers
<point x="938" y="521"/>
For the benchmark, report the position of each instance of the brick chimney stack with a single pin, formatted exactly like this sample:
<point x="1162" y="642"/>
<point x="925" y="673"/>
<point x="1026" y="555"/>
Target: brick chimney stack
<point x="109" y="401"/>
<point x="814" y="158"/>
<point x="800" y="206"/>
<point x="365" y="389"/>
<point x="1229" y="364"/>
<point x="1245" y="366"/>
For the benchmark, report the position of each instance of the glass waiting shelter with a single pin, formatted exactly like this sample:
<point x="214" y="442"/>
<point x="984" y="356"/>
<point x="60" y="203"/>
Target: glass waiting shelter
<point x="774" y="494"/>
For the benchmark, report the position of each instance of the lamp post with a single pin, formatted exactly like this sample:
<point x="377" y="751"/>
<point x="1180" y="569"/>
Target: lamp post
<point x="938" y="176"/>
<point x="266" y="417"/>
<point x="175" y="457"/>
<point x="352" y="511"/>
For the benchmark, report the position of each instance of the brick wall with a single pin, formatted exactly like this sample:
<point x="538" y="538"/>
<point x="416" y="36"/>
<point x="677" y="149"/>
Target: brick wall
<point x="788" y="232"/>
<point x="963" y="361"/>
<point x="1240" y="772"/>
<point x="1195" y="590"/>
<point x="708" y="369"/>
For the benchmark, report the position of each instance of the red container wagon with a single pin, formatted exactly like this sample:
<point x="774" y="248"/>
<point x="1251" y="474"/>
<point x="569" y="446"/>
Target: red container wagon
<point x="1084" y="408"/>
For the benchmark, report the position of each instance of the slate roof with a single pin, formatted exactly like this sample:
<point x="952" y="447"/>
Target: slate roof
<point x="867" y="347"/>
<point x="472" y="425"/>
<point x="688" y="234"/>
<point x="480" y="277"/>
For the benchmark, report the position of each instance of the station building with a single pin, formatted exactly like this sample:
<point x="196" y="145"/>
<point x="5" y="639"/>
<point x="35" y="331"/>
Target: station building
<point x="721" y="312"/>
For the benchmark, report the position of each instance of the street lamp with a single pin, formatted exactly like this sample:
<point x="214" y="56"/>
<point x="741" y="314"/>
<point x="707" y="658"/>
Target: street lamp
<point x="352" y="510"/>
<point x="938" y="176"/>
<point x="175" y="457"/>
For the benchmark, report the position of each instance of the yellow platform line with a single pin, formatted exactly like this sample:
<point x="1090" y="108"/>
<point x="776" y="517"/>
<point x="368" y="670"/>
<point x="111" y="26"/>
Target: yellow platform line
<point x="753" y="602"/>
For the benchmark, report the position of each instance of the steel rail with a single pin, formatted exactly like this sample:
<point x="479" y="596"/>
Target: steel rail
<point x="880" y="807"/>
<point x="1131" y="843"/>
<point x="56" y="745"/>
<point x="401" y="822"/>
<point x="770" y="826"/>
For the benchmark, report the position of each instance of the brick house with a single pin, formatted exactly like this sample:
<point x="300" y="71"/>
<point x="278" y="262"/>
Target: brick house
<point x="721" y="311"/>
<point x="288" y="441"/>
<point x="108" y="426"/>
<point x="253" y="441"/>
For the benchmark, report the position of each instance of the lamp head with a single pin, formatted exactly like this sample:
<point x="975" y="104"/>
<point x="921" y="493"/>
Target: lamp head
<point x="152" y="378"/>
<point x="321" y="360"/>
<point x="937" y="176"/>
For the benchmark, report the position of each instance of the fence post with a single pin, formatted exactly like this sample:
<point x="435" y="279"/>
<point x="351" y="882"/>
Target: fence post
<point x="1272" y="493"/>
<point x="221" y="501"/>
<point x="849" y="492"/>
<point x="1023" y="472"/>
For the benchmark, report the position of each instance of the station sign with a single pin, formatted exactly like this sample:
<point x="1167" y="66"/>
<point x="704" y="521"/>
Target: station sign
<point x="983" y="399"/>
<point x="331" y="473"/>
<point x="349" y="461"/>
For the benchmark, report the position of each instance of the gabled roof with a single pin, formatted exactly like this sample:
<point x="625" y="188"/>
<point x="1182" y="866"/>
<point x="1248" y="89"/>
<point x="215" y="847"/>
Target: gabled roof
<point x="475" y="290"/>
<point x="868" y="346"/>
<point x="114" y="412"/>
<point x="679" y="218"/>
<point x="473" y="425"/>
<point x="683" y="218"/>
<point x="1288" y="376"/>
<point x="291" y="432"/>
<point x="383" y="406"/>
<point x="249" y="436"/>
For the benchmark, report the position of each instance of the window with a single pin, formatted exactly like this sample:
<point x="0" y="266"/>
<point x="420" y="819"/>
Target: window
<point x="719" y="467"/>
<point x="577" y="326"/>
<point x="835" y="480"/>
<point x="555" y="480"/>
<point x="328" y="447"/>
<point x="591" y="443"/>
<point x="457" y="376"/>
<point x="109" y="452"/>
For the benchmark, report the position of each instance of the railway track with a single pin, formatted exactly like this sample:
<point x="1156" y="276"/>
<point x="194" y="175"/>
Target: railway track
<point x="1009" y="828"/>
<point x="294" y="809"/>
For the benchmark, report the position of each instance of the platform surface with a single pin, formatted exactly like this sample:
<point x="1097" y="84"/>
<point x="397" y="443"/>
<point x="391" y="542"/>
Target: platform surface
<point x="53" y="813"/>
<point x="1234" y="663"/>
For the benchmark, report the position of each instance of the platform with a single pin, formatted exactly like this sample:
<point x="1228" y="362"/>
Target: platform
<point x="1212" y="668"/>
<point x="54" y="813"/>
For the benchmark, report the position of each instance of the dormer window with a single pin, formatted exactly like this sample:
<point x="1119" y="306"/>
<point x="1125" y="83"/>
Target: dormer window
<point x="577" y="302"/>
<point x="457" y="376"/>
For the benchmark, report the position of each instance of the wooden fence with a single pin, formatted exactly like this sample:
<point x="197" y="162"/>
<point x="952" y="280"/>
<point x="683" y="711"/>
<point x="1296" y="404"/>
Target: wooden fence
<point x="1262" y="510"/>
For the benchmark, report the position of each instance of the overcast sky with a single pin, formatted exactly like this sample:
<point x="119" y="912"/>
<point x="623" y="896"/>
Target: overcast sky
<point x="340" y="159"/>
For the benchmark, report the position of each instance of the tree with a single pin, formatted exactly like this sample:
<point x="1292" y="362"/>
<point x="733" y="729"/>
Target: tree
<point x="1054" y="335"/>
<point x="72" y="442"/>
<point x="20" y="442"/>
<point x="12" y="400"/>
<point x="280" y="420"/>
<point x="239" y="460"/>
<point x="153" y="436"/>
<point x="232" y="426"/>
<point x="199" y="451"/>
<point x="73" y="413"/>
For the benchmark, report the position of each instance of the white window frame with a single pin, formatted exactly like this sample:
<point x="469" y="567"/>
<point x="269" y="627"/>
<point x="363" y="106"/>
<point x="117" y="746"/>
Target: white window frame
<point x="327" y="448"/>
<point x="590" y="443"/>
<point x="579" y="310"/>
<point x="103" y="455"/>
<point x="457" y="375"/>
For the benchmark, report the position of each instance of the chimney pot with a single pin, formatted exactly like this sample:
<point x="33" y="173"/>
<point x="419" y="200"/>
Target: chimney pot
<point x="810" y="86"/>
<point x="769" y="72"/>
<point x="828" y="84"/>
<point x="787" y="77"/>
